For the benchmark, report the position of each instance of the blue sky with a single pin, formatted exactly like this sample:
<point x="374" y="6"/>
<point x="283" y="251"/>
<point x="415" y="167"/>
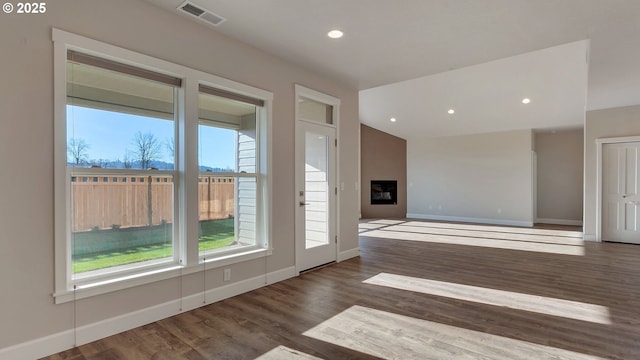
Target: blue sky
<point x="110" y="135"/>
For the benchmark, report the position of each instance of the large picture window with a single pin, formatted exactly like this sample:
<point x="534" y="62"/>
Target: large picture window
<point x="134" y="135"/>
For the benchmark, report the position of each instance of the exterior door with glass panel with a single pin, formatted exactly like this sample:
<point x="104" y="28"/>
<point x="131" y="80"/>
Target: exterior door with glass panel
<point x="315" y="207"/>
<point x="620" y="192"/>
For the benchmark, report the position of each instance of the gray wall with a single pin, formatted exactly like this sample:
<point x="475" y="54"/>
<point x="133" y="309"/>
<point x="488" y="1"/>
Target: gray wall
<point x="26" y="147"/>
<point x="560" y="176"/>
<point x="607" y="123"/>
<point x="480" y="178"/>
<point x="383" y="157"/>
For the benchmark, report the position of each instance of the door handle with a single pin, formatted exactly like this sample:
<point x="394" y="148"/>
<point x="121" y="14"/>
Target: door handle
<point x="302" y="203"/>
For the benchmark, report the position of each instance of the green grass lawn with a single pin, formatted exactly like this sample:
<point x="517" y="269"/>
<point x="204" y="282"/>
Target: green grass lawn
<point x="215" y="234"/>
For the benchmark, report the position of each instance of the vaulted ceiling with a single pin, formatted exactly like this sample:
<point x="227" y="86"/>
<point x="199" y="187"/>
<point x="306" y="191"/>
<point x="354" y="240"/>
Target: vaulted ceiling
<point x="387" y="42"/>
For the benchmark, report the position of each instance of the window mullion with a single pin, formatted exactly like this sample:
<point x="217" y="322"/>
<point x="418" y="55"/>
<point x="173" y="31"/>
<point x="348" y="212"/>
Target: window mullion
<point x="189" y="172"/>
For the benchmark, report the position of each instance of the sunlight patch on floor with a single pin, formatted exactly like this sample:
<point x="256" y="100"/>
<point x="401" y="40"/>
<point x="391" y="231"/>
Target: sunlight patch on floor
<point x="368" y="225"/>
<point x="539" y="304"/>
<point x="497" y="228"/>
<point x="386" y="221"/>
<point x="481" y="242"/>
<point x="392" y="336"/>
<point x="284" y="353"/>
<point x="482" y="234"/>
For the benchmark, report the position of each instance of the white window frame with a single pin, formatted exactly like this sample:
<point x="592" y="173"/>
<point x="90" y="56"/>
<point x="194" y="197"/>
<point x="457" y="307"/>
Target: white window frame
<point x="185" y="175"/>
<point x="211" y="257"/>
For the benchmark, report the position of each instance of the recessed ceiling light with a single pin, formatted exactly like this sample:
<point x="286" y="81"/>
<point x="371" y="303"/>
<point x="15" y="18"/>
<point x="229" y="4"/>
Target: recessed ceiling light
<point x="393" y="120"/>
<point x="526" y="100"/>
<point x="335" y="34"/>
<point x="451" y="111"/>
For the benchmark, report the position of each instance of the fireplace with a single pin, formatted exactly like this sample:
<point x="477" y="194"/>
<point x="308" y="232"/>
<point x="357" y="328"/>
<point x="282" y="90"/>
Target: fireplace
<point x="384" y="192"/>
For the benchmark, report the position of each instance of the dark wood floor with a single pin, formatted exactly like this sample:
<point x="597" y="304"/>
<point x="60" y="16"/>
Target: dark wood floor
<point x="449" y="291"/>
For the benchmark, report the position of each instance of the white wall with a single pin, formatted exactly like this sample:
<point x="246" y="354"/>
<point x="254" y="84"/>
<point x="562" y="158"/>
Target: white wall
<point x="483" y="178"/>
<point x="560" y="176"/>
<point x="26" y="146"/>
<point x="607" y="123"/>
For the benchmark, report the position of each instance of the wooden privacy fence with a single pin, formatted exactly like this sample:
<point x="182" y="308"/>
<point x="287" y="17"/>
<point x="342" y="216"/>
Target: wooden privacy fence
<point x="105" y="202"/>
<point x="216" y="197"/>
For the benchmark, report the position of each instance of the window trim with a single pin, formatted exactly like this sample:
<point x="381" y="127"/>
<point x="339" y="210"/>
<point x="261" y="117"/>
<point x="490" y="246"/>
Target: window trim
<point x="185" y="173"/>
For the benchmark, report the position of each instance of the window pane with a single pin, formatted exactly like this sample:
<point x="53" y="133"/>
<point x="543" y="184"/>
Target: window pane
<point x="217" y="212"/>
<point x="227" y="212"/>
<point x="247" y="210"/>
<point x="226" y="135"/>
<point x="119" y="121"/>
<point x="315" y="111"/>
<point x="217" y="149"/>
<point x="116" y="120"/>
<point x="118" y="223"/>
<point x="227" y="143"/>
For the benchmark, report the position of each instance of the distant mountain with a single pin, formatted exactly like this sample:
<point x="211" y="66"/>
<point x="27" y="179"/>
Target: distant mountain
<point x="216" y="169"/>
<point x="119" y="164"/>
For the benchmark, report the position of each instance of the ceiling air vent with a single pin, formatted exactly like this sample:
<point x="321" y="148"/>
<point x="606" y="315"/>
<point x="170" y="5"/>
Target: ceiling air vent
<point x="200" y="13"/>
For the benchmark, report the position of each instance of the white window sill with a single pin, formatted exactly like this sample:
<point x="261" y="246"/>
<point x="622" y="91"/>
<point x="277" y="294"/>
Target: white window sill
<point x="216" y="260"/>
<point x="103" y="286"/>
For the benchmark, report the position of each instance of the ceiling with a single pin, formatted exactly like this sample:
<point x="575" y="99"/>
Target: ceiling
<point x="387" y="42"/>
<point x="486" y="97"/>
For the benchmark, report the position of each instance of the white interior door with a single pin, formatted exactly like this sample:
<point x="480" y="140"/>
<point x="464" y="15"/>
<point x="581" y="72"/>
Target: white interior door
<point x="620" y="200"/>
<point x="316" y="195"/>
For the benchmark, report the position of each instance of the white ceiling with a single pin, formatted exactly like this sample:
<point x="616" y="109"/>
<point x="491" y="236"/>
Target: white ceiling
<point x="486" y="97"/>
<point x="387" y="42"/>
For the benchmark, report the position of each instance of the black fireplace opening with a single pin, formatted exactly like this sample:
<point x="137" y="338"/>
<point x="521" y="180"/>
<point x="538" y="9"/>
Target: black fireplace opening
<point x="384" y="192"/>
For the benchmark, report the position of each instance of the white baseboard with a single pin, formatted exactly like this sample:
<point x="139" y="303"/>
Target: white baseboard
<point x="470" y="220"/>
<point x="590" y="237"/>
<point x="41" y="347"/>
<point x="346" y="255"/>
<point x="101" y="329"/>
<point x="241" y="287"/>
<point x="64" y="340"/>
<point x="281" y="275"/>
<point x="559" y="222"/>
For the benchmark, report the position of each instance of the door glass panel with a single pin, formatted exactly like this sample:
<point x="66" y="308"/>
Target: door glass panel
<point x="315" y="111"/>
<point x="316" y="190"/>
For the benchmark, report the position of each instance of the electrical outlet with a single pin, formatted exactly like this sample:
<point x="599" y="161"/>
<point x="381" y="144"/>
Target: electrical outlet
<point x="227" y="275"/>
